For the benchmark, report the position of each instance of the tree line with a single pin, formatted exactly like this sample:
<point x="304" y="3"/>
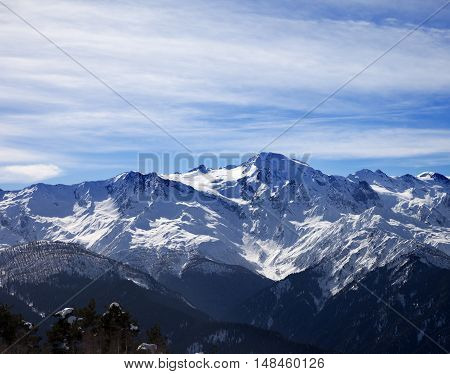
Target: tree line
<point x="80" y="330"/>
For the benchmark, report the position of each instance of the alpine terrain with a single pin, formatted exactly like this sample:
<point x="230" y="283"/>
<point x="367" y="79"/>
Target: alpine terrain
<point x="349" y="264"/>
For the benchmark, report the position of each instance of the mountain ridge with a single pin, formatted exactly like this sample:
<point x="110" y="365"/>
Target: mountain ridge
<point x="272" y="215"/>
<point x="38" y="278"/>
<point x="401" y="307"/>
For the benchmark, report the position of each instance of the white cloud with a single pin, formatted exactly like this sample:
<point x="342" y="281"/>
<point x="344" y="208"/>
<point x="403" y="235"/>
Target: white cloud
<point x="347" y="142"/>
<point x="182" y="54"/>
<point x="10" y="155"/>
<point x="354" y="142"/>
<point x="194" y="68"/>
<point x="28" y="173"/>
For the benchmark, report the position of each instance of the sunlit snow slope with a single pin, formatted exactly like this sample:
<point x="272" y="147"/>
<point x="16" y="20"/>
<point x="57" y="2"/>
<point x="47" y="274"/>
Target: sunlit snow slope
<point x="272" y="215"/>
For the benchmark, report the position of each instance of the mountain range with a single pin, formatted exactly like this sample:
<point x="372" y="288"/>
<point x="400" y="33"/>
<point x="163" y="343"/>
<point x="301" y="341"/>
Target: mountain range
<point x="271" y="243"/>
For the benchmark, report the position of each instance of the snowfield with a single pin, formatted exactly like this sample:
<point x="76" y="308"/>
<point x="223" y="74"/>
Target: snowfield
<point x="272" y="215"/>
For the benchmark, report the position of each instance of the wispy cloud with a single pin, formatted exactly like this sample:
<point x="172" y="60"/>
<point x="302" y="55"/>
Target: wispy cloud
<point x="351" y="142"/>
<point x="28" y="173"/>
<point x="229" y="76"/>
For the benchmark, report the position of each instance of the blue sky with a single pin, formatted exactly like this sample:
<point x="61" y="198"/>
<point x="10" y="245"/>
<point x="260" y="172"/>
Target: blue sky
<point x="222" y="76"/>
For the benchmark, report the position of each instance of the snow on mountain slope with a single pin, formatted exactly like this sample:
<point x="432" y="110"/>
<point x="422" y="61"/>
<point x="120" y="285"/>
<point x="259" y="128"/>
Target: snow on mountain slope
<point x="151" y="222"/>
<point x="36" y="262"/>
<point x="272" y="215"/>
<point x="420" y="205"/>
<point x="240" y="183"/>
<point x="416" y="285"/>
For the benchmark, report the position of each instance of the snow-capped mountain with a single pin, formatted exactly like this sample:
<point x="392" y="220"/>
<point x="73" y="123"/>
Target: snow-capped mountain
<point x="272" y="215"/>
<point x="402" y="307"/>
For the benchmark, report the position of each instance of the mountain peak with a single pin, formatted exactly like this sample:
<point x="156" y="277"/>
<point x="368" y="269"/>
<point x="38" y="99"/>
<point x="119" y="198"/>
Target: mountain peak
<point x="272" y="155"/>
<point x="201" y="168"/>
<point x="274" y="160"/>
<point x="428" y="175"/>
<point x="125" y="175"/>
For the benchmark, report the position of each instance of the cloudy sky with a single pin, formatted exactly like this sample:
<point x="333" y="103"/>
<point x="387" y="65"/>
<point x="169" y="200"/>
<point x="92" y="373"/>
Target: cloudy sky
<point x="221" y="76"/>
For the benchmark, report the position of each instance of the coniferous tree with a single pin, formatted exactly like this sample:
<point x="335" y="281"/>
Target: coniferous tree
<point x="16" y="335"/>
<point x="65" y="335"/>
<point x="89" y="321"/>
<point x="155" y="336"/>
<point x="80" y="330"/>
<point x="117" y="330"/>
